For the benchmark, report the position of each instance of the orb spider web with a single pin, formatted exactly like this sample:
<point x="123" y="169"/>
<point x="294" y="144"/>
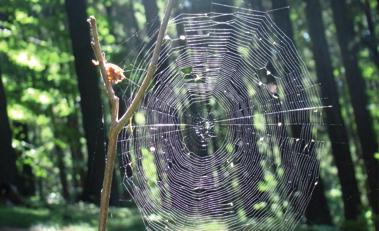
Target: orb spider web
<point x="225" y="138"/>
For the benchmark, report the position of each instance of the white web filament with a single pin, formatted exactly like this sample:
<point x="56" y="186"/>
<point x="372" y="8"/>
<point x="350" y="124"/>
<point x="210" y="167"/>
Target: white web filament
<point x="224" y="138"/>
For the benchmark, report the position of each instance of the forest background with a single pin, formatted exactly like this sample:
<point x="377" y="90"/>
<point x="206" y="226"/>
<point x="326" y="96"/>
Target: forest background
<point x="52" y="130"/>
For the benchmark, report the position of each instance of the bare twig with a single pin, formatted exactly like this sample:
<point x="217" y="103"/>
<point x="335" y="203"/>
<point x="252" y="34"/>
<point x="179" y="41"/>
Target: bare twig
<point x="113" y="99"/>
<point x="118" y="124"/>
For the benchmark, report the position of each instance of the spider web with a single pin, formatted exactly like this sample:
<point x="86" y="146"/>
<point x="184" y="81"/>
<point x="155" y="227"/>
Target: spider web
<point x="225" y="136"/>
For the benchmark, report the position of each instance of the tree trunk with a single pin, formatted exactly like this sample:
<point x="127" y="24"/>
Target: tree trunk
<point x="256" y="5"/>
<point x="62" y="173"/>
<point x="133" y="20"/>
<point x="357" y="89"/>
<point x="124" y="14"/>
<point x="8" y="168"/>
<point x="371" y="40"/>
<point x="329" y="91"/>
<point x="282" y="17"/>
<point x="90" y="97"/>
<point x="151" y="12"/>
<point x="77" y="156"/>
<point x="153" y="22"/>
<point x="41" y="192"/>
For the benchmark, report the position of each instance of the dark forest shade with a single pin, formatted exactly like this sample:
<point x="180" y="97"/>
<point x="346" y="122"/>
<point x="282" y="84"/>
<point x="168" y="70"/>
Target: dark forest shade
<point x="359" y="100"/>
<point x="255" y="5"/>
<point x="90" y="97"/>
<point x="329" y="91"/>
<point x="151" y="11"/>
<point x="317" y="211"/>
<point x="282" y="17"/>
<point x="7" y="153"/>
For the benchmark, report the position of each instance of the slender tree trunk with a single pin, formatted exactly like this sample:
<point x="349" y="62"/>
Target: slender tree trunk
<point x="59" y="155"/>
<point x="8" y="168"/>
<point x="124" y="15"/>
<point x="133" y="20"/>
<point x="90" y="97"/>
<point x="41" y="192"/>
<point x="371" y="41"/>
<point x="153" y="22"/>
<point x="62" y="173"/>
<point x="77" y="156"/>
<point x="282" y="17"/>
<point x="357" y="89"/>
<point x="25" y="178"/>
<point x="151" y="12"/>
<point x="256" y="5"/>
<point x="76" y="177"/>
<point x="318" y="210"/>
<point x="110" y="16"/>
<point x="329" y="91"/>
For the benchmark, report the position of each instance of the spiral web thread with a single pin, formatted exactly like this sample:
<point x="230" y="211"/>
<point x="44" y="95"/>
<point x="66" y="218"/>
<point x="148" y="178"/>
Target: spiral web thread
<point x="225" y="136"/>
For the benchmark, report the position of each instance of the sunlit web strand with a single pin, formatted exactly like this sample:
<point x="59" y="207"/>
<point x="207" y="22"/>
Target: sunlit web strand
<point x="273" y="113"/>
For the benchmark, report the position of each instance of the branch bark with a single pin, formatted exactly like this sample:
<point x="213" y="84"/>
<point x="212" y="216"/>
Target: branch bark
<point x="113" y="99"/>
<point x="118" y="124"/>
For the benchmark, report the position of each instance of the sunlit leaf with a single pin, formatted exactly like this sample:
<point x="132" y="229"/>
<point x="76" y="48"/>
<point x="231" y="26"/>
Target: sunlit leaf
<point x="186" y="70"/>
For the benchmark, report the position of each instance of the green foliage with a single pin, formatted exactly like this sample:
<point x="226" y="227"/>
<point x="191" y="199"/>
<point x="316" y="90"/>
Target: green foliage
<point x="186" y="70"/>
<point x="41" y="89"/>
<point x="376" y="155"/>
<point x="73" y="217"/>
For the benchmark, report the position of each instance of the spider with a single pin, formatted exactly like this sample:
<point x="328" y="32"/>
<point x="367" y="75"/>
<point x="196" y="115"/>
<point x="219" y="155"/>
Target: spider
<point x="115" y="74"/>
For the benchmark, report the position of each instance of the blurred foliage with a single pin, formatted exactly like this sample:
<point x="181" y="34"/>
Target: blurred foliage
<point x="68" y="217"/>
<point x="41" y="91"/>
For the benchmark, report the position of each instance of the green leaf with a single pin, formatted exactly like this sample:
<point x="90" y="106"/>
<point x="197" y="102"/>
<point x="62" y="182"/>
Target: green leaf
<point x="139" y="118"/>
<point x="186" y="70"/>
